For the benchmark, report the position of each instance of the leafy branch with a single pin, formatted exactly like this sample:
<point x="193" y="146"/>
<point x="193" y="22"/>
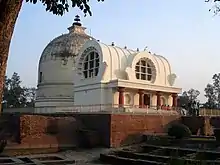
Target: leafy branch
<point x="59" y="7"/>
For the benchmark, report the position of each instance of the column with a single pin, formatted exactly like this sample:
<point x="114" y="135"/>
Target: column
<point x="121" y="96"/>
<point x="175" y="96"/>
<point x="158" y="100"/>
<point x="141" y="95"/>
<point x="154" y="100"/>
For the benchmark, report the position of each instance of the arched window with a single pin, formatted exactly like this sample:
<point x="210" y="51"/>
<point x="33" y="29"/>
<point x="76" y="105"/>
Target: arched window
<point x="91" y="65"/>
<point x="145" y="70"/>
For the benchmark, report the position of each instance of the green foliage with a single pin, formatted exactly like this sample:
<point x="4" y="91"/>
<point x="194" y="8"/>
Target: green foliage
<point x="212" y="92"/>
<point x="179" y="131"/>
<point x="3" y="144"/>
<point x="215" y="7"/>
<point x="211" y="96"/>
<point x="59" y="7"/>
<point x="188" y="97"/>
<point x="14" y="95"/>
<point x="217" y="134"/>
<point x="193" y="94"/>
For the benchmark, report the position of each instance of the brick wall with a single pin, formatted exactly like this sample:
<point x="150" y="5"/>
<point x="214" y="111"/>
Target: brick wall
<point x="63" y="130"/>
<point x="99" y="123"/>
<point x="36" y="129"/>
<point x="125" y="127"/>
<point x="112" y="130"/>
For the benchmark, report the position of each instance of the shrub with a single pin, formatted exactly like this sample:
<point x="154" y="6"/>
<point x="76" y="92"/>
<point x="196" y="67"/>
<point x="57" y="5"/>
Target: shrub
<point x="3" y="144"/>
<point x="194" y="123"/>
<point x="217" y="134"/>
<point x="179" y="131"/>
<point x="215" y="122"/>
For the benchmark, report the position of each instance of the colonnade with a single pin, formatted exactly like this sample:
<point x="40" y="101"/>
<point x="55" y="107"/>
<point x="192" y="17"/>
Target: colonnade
<point x="141" y="92"/>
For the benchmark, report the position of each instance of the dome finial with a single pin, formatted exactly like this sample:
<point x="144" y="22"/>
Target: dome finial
<point x="77" y="26"/>
<point x="77" y="21"/>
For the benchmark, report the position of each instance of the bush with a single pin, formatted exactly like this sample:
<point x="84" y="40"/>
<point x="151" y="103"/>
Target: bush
<point x="3" y="144"/>
<point x="217" y="134"/>
<point x="179" y="131"/>
<point x="215" y="122"/>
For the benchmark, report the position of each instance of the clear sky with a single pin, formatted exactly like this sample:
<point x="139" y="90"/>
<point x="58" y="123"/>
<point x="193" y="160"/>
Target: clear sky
<point x="185" y="32"/>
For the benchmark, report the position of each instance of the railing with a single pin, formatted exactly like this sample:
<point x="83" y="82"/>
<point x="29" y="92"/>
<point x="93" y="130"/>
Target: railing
<point x="113" y="108"/>
<point x="209" y="112"/>
<point x="109" y="108"/>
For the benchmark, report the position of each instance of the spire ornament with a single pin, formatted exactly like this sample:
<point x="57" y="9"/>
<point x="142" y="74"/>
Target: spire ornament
<point x="77" y="21"/>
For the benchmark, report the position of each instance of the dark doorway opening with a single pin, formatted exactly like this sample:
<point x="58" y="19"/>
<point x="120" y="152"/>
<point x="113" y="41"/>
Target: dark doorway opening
<point x="146" y="100"/>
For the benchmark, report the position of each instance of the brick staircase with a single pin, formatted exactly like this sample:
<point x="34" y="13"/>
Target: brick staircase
<point x="159" y="155"/>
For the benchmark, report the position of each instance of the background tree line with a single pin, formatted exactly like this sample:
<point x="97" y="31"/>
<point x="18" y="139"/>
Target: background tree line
<point x="15" y="95"/>
<point x="212" y="93"/>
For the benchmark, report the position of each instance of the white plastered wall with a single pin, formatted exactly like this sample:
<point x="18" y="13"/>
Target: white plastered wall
<point x="163" y="68"/>
<point x="115" y="64"/>
<point x="57" y="82"/>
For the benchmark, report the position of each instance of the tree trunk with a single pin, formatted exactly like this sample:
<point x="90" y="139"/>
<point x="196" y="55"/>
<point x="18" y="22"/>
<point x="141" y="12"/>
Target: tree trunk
<point x="9" y="10"/>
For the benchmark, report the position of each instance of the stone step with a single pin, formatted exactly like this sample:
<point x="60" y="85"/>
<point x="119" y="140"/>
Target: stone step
<point x="179" y="149"/>
<point x="143" y="156"/>
<point x="125" y="157"/>
<point x="116" y="160"/>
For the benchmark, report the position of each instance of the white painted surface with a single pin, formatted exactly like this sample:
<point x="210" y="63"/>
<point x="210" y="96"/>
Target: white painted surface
<point x="117" y="69"/>
<point x="56" y="65"/>
<point x="63" y="84"/>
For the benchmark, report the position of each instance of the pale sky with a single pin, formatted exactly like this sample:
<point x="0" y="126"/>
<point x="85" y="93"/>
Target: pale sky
<point x="184" y="32"/>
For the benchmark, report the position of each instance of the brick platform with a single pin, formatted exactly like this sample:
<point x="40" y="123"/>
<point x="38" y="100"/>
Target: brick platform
<point x="112" y="130"/>
<point x="127" y="127"/>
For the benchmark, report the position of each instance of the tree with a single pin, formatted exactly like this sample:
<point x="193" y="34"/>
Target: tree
<point x="30" y="94"/>
<point x="193" y="94"/>
<point x="216" y="7"/>
<point x="183" y="100"/>
<point x="9" y="10"/>
<point x="188" y="97"/>
<point x="212" y="92"/>
<point x="13" y="92"/>
<point x="211" y="97"/>
<point x="189" y="101"/>
<point x="15" y="95"/>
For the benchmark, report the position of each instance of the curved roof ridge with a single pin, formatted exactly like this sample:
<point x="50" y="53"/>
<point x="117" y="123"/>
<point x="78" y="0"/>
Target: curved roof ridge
<point x="161" y="57"/>
<point x="123" y="49"/>
<point x="58" y="37"/>
<point x="165" y="60"/>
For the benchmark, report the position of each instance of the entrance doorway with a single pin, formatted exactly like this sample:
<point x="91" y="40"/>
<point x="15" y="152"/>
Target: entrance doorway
<point x="146" y="99"/>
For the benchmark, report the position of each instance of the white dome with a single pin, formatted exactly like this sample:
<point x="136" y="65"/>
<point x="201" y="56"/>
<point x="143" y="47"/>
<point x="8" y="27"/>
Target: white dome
<point x="55" y="72"/>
